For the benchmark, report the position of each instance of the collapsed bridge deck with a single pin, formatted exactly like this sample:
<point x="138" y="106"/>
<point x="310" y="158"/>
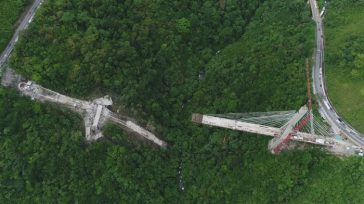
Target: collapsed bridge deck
<point x="95" y="113"/>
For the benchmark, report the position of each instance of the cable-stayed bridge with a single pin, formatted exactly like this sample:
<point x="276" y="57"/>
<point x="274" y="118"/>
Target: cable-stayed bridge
<point x="283" y="126"/>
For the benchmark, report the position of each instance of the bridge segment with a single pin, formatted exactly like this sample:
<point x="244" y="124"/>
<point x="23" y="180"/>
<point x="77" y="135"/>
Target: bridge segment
<point x="277" y="143"/>
<point x="95" y="113"/>
<point x="332" y="144"/>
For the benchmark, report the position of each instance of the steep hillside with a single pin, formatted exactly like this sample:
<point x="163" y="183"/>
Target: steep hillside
<point x="161" y="61"/>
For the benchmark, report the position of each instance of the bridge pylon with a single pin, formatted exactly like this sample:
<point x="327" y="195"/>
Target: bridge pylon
<point x="291" y="128"/>
<point x="284" y="126"/>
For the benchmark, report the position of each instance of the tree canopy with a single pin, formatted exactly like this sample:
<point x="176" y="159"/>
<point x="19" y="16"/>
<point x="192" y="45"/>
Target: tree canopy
<point x="9" y="13"/>
<point x="162" y="61"/>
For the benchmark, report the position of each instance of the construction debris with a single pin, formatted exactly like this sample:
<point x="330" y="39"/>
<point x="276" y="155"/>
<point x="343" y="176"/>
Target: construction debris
<point x="95" y="113"/>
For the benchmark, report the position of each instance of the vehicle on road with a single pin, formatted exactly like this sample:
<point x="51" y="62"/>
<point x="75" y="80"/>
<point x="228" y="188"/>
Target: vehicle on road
<point x="327" y="105"/>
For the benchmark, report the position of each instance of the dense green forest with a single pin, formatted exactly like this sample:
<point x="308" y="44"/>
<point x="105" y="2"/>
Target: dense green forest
<point x="162" y="61"/>
<point x="345" y="59"/>
<point x="9" y="14"/>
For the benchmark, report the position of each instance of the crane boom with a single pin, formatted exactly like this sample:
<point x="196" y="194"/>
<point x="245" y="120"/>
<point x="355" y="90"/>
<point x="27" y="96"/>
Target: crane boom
<point x="309" y="95"/>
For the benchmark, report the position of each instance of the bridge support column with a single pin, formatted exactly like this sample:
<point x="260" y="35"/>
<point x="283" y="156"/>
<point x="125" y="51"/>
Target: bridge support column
<point x="277" y="143"/>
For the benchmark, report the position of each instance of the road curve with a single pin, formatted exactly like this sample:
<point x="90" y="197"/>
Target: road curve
<point x="326" y="109"/>
<point x="23" y="25"/>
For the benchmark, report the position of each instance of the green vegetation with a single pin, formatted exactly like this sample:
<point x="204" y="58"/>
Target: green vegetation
<point x="44" y="159"/>
<point x="9" y="14"/>
<point x="321" y="3"/>
<point x="148" y="55"/>
<point x="345" y="59"/>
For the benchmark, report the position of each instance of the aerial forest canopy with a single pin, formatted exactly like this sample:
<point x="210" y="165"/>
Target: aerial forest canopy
<point x="9" y="14"/>
<point x="162" y="61"/>
<point x="345" y="59"/>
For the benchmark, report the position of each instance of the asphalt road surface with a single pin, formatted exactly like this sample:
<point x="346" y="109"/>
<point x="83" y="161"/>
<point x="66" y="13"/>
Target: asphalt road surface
<point x="27" y="18"/>
<point x="326" y="109"/>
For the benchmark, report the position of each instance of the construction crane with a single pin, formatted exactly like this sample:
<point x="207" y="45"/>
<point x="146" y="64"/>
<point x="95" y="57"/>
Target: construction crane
<point x="296" y="123"/>
<point x="309" y="95"/>
<point x="283" y="126"/>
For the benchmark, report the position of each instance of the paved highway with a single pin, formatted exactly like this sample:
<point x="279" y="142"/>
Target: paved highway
<point x="84" y="107"/>
<point x="27" y="18"/>
<point x="326" y="109"/>
<point x="319" y="86"/>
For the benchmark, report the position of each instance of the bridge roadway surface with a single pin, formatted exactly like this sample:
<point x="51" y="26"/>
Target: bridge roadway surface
<point x="333" y="145"/>
<point x="326" y="109"/>
<point x="88" y="109"/>
<point x="319" y="85"/>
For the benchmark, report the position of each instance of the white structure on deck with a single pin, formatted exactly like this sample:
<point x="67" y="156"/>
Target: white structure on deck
<point x="283" y="126"/>
<point x="276" y="144"/>
<point x="95" y="113"/>
<point x="97" y="117"/>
